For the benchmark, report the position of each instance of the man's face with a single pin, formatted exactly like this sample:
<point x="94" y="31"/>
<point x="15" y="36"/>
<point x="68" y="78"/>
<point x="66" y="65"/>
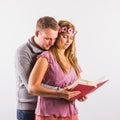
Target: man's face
<point x="47" y="38"/>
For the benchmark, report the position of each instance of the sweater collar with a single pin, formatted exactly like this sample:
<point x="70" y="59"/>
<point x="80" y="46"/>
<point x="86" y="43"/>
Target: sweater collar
<point x="35" y="48"/>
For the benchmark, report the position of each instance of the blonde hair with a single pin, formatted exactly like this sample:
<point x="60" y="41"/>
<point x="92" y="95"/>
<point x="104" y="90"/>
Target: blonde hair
<point x="70" y="52"/>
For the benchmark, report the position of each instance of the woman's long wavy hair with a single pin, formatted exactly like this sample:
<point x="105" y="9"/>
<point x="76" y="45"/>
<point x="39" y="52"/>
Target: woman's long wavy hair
<point x="70" y="52"/>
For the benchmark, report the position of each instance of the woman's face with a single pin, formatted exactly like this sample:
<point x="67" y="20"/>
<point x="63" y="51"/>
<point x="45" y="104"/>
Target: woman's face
<point x="65" y="40"/>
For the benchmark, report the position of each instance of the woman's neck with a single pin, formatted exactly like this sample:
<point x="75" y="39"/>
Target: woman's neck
<point x="61" y="52"/>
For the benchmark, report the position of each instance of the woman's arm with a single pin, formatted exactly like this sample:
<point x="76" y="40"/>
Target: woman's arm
<point x="35" y="80"/>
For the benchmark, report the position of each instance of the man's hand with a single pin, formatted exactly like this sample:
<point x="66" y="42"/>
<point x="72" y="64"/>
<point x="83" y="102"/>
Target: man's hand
<point x="67" y="94"/>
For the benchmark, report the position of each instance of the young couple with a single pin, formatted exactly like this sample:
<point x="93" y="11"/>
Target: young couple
<point x="45" y="66"/>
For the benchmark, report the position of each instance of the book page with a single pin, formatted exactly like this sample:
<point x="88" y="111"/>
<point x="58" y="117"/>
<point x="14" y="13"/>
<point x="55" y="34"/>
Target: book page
<point x="101" y="79"/>
<point x="82" y="82"/>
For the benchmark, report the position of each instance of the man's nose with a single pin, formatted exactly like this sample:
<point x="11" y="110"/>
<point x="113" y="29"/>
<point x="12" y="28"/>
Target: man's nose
<point x="51" y="42"/>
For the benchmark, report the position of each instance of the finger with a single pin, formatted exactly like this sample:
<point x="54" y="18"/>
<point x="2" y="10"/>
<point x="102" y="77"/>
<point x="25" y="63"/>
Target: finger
<point x="68" y="88"/>
<point x="75" y="93"/>
<point x="84" y="98"/>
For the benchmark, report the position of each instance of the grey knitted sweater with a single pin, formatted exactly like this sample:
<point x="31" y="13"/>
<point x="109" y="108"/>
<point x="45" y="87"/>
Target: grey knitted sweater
<point x="25" y="59"/>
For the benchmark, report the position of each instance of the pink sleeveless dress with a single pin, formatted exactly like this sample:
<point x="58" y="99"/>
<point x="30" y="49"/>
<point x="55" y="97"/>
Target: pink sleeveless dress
<point x="51" y="108"/>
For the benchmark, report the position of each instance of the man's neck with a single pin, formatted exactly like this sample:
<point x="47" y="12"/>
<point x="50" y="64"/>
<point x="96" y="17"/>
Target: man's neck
<point x="35" y="40"/>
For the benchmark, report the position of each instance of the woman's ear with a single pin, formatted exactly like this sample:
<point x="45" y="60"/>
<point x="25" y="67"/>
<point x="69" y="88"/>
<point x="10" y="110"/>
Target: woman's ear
<point x="36" y="33"/>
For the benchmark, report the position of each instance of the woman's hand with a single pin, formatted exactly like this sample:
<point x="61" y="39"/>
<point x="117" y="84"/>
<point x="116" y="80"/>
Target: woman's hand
<point x="82" y="99"/>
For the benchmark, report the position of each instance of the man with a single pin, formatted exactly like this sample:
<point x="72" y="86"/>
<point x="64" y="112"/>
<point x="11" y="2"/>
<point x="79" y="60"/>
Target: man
<point x="45" y="36"/>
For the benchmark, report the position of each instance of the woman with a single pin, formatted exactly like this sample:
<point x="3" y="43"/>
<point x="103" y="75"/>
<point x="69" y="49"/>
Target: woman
<point x="56" y="67"/>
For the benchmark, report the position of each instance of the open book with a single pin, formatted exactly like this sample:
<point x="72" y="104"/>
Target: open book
<point x="86" y="87"/>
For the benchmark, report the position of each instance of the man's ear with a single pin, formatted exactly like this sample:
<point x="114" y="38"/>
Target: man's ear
<point x="36" y="33"/>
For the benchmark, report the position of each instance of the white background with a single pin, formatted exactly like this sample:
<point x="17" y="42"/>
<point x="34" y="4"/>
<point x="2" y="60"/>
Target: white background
<point x="98" y="26"/>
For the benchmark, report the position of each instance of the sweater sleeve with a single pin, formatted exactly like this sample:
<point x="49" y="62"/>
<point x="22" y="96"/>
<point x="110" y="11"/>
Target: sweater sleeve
<point x="22" y="66"/>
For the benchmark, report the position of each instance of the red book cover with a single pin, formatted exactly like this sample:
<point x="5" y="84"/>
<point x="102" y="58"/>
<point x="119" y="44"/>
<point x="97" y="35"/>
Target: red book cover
<point x="86" y="89"/>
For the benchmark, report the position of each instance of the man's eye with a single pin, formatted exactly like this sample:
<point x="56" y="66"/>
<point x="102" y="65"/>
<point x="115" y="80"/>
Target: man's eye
<point x="47" y="38"/>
